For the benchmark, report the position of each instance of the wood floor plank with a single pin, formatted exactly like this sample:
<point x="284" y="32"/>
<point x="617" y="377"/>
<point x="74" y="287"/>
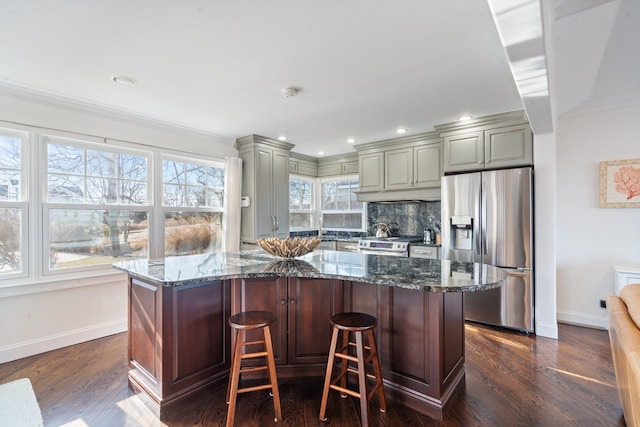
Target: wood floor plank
<point x="512" y="379"/>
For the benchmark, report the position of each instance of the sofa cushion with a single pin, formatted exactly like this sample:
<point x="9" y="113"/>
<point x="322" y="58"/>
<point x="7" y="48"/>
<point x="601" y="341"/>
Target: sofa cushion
<point x="630" y="294"/>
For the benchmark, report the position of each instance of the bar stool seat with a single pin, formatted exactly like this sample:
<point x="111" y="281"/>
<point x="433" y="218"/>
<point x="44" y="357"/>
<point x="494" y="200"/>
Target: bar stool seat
<point x="358" y="324"/>
<point x="241" y="323"/>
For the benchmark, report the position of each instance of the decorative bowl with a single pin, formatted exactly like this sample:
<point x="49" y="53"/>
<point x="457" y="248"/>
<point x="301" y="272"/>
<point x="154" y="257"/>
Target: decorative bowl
<point x="288" y="248"/>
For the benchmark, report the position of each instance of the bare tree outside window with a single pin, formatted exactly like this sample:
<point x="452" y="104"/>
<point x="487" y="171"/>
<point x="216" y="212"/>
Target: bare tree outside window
<point x="192" y="185"/>
<point x="300" y="204"/>
<point x="10" y="216"/>
<point x="97" y="180"/>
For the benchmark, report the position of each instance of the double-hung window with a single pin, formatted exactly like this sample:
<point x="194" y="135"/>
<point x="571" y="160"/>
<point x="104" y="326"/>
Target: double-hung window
<point x="192" y="203"/>
<point x="301" y="203"/>
<point x="13" y="204"/>
<point x="96" y="207"/>
<point x="340" y="210"/>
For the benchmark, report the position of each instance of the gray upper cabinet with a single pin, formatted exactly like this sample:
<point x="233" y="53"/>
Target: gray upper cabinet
<point x="508" y="146"/>
<point x="265" y="180"/>
<point x="344" y="164"/>
<point x="371" y="168"/>
<point x="396" y="169"/>
<point x="488" y="148"/>
<point x="303" y="165"/>
<point x="413" y="167"/>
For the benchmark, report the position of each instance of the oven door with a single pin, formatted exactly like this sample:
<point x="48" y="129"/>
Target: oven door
<point x="383" y="252"/>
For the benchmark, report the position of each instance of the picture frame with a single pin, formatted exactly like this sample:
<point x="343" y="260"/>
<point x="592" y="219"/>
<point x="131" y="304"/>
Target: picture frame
<point x="620" y="183"/>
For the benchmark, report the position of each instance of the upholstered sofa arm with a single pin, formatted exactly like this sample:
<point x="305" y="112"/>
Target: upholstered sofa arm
<point x="624" y="335"/>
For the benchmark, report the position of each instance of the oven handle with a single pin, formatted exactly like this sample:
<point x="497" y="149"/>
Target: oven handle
<point x="387" y="253"/>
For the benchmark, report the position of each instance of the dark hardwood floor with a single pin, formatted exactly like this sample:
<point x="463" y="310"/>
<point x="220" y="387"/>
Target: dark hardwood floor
<point x="511" y="380"/>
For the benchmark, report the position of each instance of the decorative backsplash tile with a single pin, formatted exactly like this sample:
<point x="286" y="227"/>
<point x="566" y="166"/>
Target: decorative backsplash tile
<point x="404" y="218"/>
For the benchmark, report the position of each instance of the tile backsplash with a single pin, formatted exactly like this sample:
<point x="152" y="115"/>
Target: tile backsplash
<point x="405" y="218"/>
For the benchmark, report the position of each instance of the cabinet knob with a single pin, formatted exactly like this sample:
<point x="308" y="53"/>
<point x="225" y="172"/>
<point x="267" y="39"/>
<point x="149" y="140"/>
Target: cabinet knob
<point x="292" y="301"/>
<point x="283" y="301"/>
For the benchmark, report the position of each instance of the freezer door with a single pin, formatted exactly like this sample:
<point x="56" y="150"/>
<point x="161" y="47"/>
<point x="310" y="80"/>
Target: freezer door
<point x="509" y="306"/>
<point x="507" y="220"/>
<point x="461" y="202"/>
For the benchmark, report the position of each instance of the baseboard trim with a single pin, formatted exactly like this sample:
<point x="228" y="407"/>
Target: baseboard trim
<point x="56" y="341"/>
<point x="581" y="319"/>
<point x="547" y="330"/>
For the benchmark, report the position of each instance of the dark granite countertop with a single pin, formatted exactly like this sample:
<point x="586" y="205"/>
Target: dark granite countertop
<point x="409" y="273"/>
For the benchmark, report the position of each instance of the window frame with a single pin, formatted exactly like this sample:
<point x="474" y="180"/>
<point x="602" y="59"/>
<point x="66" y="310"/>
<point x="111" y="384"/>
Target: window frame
<point x="22" y="203"/>
<point x="322" y="211"/>
<point x="162" y="209"/>
<point x="314" y="202"/>
<point x="86" y="143"/>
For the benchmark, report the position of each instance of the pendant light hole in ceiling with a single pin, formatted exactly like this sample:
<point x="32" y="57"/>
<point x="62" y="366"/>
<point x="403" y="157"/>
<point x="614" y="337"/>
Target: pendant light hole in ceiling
<point x="124" y="80"/>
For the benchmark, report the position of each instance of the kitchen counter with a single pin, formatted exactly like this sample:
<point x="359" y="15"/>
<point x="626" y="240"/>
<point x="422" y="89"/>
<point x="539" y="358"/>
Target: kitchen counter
<point x="408" y="273"/>
<point x="180" y="342"/>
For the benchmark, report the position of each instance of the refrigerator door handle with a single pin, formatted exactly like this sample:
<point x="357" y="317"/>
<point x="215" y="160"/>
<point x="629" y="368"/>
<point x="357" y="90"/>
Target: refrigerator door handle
<point x="517" y="273"/>
<point x="483" y="220"/>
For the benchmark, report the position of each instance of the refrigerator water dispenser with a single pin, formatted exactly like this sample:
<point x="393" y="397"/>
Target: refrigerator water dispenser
<point x="462" y="232"/>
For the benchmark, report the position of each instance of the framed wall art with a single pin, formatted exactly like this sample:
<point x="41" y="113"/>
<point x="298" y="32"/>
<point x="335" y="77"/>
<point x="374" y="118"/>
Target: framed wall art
<point x="620" y="184"/>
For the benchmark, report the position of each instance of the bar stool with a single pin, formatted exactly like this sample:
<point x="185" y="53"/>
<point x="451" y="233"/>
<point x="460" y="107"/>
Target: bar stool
<point x="241" y="323"/>
<point x="360" y="324"/>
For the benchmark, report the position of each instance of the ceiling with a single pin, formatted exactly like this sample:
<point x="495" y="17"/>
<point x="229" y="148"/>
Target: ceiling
<point x="363" y="67"/>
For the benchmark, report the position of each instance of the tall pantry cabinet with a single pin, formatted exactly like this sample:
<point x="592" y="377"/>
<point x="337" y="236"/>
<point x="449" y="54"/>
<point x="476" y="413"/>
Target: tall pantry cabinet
<point x="265" y="181"/>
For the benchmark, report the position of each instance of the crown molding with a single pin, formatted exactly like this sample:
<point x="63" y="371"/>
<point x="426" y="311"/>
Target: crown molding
<point x="26" y="93"/>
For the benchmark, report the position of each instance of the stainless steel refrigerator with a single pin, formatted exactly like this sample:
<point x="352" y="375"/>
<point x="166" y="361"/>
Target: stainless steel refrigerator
<point x="487" y="217"/>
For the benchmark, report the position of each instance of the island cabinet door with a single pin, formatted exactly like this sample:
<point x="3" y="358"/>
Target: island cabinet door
<point x="312" y="302"/>
<point x="264" y="294"/>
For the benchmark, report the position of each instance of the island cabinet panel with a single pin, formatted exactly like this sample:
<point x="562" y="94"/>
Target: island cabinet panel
<point x="199" y="322"/>
<point x="143" y="318"/>
<point x="312" y="303"/>
<point x="178" y="339"/>
<point x="420" y="337"/>
<point x="264" y="294"/>
<point x="303" y="307"/>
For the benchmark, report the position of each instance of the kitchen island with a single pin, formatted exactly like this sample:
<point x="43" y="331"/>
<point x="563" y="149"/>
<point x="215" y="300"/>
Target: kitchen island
<point x="179" y="340"/>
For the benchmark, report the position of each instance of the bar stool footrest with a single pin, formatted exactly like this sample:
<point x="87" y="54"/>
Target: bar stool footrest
<point x="343" y="390"/>
<point x="255" y="388"/>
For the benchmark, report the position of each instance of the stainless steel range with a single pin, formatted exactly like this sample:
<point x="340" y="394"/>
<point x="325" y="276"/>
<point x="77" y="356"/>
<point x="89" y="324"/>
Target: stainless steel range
<point x="391" y="246"/>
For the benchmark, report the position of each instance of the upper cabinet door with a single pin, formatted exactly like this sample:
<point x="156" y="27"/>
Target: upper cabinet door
<point x="371" y="168"/>
<point x="508" y="146"/>
<point x="263" y="186"/>
<point x="464" y="152"/>
<point x="427" y="165"/>
<point x="280" y="191"/>
<point x="398" y="172"/>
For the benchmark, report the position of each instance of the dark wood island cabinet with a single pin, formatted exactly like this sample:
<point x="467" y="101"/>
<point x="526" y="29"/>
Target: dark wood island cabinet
<point x="179" y="340"/>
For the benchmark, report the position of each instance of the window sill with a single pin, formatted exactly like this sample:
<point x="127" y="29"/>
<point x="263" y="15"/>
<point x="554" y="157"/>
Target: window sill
<point x="56" y="283"/>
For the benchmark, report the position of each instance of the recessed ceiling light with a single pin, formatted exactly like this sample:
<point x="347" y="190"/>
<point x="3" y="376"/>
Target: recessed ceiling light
<point x="401" y="130"/>
<point x="124" y="80"/>
<point x="351" y="140"/>
<point x="320" y="153"/>
<point x="464" y="118"/>
<point x="282" y="138"/>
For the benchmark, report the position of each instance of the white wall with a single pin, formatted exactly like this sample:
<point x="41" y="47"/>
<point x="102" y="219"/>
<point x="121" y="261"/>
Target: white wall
<point x="48" y="313"/>
<point x="590" y="240"/>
